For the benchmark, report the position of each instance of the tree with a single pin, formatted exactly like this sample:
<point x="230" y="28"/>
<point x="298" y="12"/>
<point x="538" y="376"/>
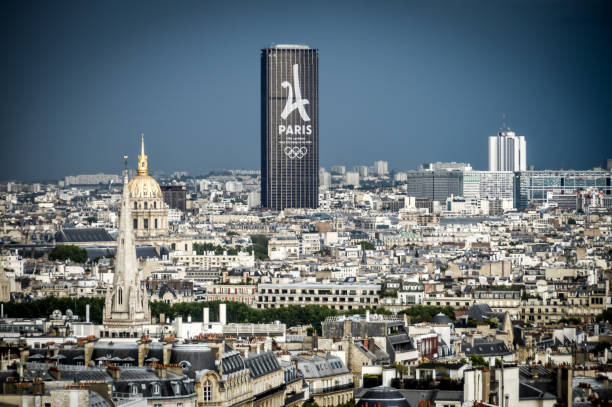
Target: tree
<point x="425" y="313"/>
<point x="365" y="245"/>
<point x="68" y="252"/>
<point x="478" y="360"/>
<point x="260" y="246"/>
<point x="571" y="221"/>
<point x="606" y="315"/>
<point x="401" y="369"/>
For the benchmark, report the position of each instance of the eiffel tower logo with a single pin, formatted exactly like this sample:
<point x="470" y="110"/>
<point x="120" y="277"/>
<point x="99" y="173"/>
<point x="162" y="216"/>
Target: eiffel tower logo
<point x="299" y="103"/>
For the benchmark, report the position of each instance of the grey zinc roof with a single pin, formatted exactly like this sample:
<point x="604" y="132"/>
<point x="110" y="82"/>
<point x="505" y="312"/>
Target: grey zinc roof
<point x="83" y="235"/>
<point x="262" y="364"/>
<point x="321" y="367"/>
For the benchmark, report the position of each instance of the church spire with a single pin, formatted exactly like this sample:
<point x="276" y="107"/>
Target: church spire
<point x="143" y="168"/>
<point x="126" y="308"/>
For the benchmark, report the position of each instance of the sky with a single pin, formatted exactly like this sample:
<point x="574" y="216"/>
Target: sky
<point x="408" y="81"/>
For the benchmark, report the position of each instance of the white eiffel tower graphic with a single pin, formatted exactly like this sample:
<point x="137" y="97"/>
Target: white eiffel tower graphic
<point x="299" y="103"/>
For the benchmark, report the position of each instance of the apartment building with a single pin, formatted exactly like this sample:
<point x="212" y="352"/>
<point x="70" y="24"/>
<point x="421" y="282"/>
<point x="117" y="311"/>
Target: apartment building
<point x="337" y="296"/>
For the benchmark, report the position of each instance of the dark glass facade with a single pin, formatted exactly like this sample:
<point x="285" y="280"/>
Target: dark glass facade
<point x="289" y="127"/>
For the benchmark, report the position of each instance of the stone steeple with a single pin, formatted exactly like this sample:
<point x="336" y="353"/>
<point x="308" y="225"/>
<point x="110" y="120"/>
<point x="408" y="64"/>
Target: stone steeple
<point x="126" y="309"/>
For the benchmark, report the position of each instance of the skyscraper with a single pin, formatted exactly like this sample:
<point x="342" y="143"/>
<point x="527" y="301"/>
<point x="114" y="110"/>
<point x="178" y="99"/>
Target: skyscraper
<point x="289" y="127"/>
<point x="507" y="152"/>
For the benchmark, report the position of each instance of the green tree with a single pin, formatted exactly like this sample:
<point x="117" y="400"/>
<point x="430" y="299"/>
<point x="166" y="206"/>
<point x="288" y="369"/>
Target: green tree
<point x="478" y="360"/>
<point x="68" y="252"/>
<point x="260" y="246"/>
<point x="365" y="245"/>
<point x="425" y="313"/>
<point x="571" y="221"/>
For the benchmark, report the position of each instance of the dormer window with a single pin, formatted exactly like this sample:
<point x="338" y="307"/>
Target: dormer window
<point x="134" y="388"/>
<point x="176" y="388"/>
<point x="155" y="389"/>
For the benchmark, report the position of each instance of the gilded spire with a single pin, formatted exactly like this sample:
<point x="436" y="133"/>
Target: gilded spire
<point x="143" y="168"/>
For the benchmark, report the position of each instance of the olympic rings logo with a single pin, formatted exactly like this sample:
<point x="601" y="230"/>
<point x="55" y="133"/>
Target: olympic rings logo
<point x="296" y="152"/>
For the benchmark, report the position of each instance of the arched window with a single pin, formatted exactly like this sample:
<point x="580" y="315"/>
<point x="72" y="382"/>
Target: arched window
<point x="134" y="388"/>
<point x="145" y="204"/>
<point x="135" y="205"/>
<point x="155" y="205"/>
<point x="120" y="296"/>
<point x="207" y="391"/>
<point x="155" y="389"/>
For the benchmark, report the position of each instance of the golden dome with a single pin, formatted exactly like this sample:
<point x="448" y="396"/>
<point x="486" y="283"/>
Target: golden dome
<point x="143" y="185"/>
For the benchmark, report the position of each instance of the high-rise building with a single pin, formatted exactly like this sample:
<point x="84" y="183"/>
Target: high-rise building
<point x="324" y="178"/>
<point x="532" y="187"/>
<point x="352" y="178"/>
<point x="381" y="167"/>
<point x="434" y="185"/>
<point x="507" y="152"/>
<point x="175" y="196"/>
<point x="488" y="184"/>
<point x="289" y="127"/>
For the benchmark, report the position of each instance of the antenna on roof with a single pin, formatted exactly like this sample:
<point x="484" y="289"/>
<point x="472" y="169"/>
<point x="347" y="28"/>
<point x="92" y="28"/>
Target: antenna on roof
<point x="504" y="126"/>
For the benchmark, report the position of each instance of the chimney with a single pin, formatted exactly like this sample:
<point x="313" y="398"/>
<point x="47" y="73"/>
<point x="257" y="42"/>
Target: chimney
<point x="55" y="373"/>
<point x="160" y="370"/>
<point x="206" y="316"/>
<point x="222" y="314"/>
<point x="143" y="349"/>
<point x="167" y="350"/>
<point x="88" y="349"/>
<point x="114" y="371"/>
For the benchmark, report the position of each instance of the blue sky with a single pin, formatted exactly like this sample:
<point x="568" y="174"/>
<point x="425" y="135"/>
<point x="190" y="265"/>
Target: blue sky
<point x="409" y="81"/>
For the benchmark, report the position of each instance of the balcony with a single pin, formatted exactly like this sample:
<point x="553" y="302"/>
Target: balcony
<point x="332" y="389"/>
<point x="293" y="398"/>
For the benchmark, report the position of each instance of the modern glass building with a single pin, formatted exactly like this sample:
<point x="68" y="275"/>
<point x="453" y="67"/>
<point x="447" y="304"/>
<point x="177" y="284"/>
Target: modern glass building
<point x="532" y="186"/>
<point x="289" y="127"/>
<point x="434" y="185"/>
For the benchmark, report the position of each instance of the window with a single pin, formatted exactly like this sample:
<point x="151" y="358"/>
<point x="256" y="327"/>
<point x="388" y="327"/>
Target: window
<point x="120" y="296"/>
<point x="207" y="391"/>
<point x="133" y="388"/>
<point x="146" y="223"/>
<point x="155" y="205"/>
<point x="135" y="223"/>
<point x="135" y="205"/>
<point x="176" y="388"/>
<point x="155" y="389"/>
<point x="155" y="223"/>
<point x="145" y="205"/>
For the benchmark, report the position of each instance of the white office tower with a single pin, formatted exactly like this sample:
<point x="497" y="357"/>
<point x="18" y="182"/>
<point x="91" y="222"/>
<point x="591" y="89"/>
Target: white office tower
<point x="352" y="178"/>
<point x="324" y="178"/>
<point x="507" y="152"/>
<point x="381" y="167"/>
